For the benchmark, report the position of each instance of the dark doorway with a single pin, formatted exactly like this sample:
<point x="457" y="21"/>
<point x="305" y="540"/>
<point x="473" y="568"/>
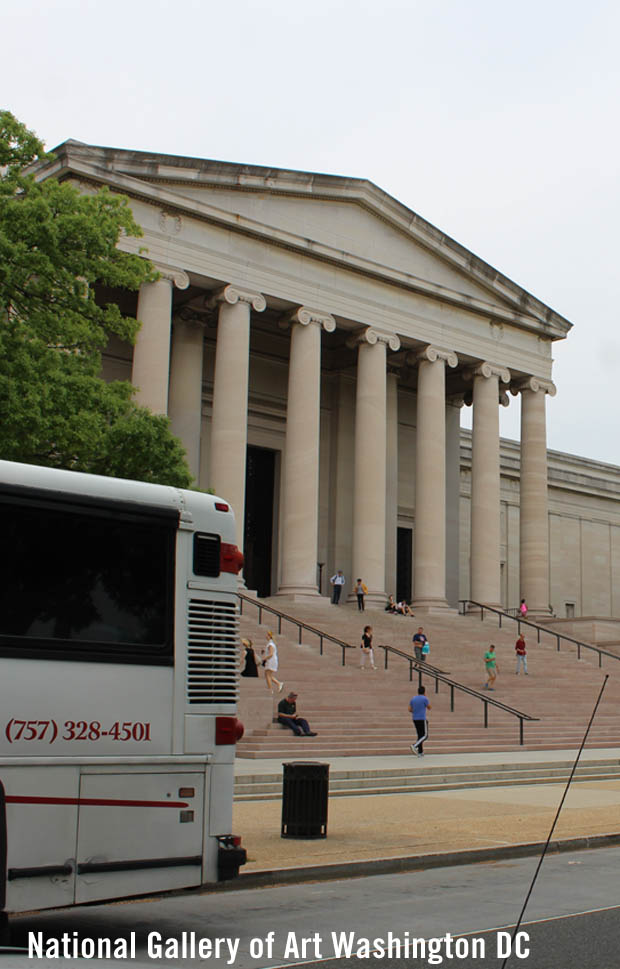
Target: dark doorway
<point x="258" y="529"/>
<point x="403" y="564"/>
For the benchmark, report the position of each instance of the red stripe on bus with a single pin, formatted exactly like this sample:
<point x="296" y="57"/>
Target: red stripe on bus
<point x="95" y="801"/>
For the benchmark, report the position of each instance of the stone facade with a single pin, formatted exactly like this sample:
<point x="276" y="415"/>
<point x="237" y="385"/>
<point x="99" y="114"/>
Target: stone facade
<point x="312" y="341"/>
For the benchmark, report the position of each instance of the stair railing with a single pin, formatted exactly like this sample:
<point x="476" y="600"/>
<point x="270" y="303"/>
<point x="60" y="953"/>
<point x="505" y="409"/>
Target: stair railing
<point x="424" y="669"/>
<point x="502" y="614"/>
<point x="301" y="626"/>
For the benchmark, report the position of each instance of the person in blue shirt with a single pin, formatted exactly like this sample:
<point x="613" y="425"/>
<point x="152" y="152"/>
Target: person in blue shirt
<point x="418" y="707"/>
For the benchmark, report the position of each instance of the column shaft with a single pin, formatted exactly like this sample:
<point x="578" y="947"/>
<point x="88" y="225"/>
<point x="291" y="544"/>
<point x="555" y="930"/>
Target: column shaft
<point x="391" y="513"/>
<point x="185" y="397"/>
<point x="485" y="493"/>
<point x="229" y="424"/>
<point x="151" y="355"/>
<point x="534" y="525"/>
<point x="301" y="463"/>
<point x="430" y="487"/>
<point x="369" y="486"/>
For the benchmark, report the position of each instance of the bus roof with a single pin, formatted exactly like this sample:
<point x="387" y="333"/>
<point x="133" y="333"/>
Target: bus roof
<point x="185" y="503"/>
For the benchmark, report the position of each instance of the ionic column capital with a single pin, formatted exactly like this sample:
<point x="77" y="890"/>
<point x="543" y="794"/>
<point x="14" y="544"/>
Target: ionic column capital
<point x="304" y="315"/>
<point x="535" y="384"/>
<point x="372" y="336"/>
<point x="431" y="354"/>
<point x="233" y="294"/>
<point x="178" y="277"/>
<point x="489" y="370"/>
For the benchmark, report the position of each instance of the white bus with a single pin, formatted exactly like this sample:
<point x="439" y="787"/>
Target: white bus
<point x="118" y="688"/>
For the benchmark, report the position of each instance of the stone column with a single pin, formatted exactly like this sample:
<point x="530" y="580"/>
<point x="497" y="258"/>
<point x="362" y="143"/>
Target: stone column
<point x="300" y="495"/>
<point x="533" y="518"/>
<point x="369" y="485"/>
<point x="429" y="568"/>
<point x="453" y="499"/>
<point x="485" y="494"/>
<point x="151" y="353"/>
<point x="391" y="492"/>
<point x="229" y="421"/>
<point x="185" y="395"/>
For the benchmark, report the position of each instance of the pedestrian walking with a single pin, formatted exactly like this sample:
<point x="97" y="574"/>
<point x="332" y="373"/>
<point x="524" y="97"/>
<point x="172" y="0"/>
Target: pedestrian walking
<point x="491" y="667"/>
<point x="418" y="708"/>
<point x="523" y="609"/>
<point x="419" y="640"/>
<point x="270" y="663"/>
<point x="521" y="652"/>
<point x="337" y="582"/>
<point x="368" y="656"/>
<point x="360" y="591"/>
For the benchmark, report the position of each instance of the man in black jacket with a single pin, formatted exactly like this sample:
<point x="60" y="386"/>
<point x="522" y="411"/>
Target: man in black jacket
<point x="287" y="715"/>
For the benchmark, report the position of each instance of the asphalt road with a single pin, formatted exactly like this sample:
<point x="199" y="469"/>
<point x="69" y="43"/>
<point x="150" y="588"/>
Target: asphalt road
<point x="572" y="920"/>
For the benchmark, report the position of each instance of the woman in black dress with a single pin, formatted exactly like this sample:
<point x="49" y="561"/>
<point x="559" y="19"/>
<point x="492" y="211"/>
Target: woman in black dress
<point x="250" y="668"/>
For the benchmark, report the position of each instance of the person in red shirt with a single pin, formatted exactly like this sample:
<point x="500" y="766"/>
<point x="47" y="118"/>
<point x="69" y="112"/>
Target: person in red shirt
<point x="521" y="652"/>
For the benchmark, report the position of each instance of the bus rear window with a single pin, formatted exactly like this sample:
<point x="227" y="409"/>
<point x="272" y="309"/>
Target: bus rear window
<point x="86" y="580"/>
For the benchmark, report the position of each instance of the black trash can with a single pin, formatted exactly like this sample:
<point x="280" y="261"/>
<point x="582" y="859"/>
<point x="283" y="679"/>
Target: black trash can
<point x="305" y="789"/>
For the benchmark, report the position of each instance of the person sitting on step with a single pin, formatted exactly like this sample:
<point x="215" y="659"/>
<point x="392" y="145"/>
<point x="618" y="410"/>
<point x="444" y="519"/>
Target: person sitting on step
<point x="288" y="717"/>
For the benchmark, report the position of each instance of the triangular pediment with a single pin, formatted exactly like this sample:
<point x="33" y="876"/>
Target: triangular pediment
<point x="349" y="221"/>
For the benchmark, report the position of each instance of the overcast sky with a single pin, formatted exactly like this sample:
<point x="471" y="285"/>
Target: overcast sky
<point x="497" y="122"/>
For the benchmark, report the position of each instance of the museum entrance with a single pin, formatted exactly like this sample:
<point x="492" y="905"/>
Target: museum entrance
<point x="404" y="547"/>
<point x="258" y="527"/>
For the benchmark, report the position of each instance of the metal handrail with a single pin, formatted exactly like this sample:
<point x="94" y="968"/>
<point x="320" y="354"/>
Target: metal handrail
<point x="295" y="622"/>
<point x="424" y="669"/>
<point x="501" y="614"/>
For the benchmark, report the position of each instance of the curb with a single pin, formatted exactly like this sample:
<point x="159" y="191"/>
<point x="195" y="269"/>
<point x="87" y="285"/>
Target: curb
<point x="388" y="866"/>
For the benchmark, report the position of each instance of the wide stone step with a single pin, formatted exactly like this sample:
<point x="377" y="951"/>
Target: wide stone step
<point x="269" y="787"/>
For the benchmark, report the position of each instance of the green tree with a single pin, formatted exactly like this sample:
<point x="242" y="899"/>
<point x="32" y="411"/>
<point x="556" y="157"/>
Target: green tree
<point x="56" y="247"/>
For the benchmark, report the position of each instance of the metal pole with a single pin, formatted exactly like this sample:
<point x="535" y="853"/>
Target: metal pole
<point x="544" y="851"/>
<point x="486" y="714"/>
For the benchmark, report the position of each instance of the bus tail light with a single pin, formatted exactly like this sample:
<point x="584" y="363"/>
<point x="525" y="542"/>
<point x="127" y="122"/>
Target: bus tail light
<point x="231" y="558"/>
<point x="228" y="730"/>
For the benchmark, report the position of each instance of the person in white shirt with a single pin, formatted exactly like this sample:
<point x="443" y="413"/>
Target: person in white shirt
<point x="337" y="582"/>
<point x="270" y="663"/>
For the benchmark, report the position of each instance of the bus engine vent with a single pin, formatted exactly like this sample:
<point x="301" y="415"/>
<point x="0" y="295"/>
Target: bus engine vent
<point x="212" y="652"/>
<point x="206" y="554"/>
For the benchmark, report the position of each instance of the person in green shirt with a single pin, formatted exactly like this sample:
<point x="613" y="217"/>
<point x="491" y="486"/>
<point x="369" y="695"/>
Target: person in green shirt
<point x="491" y="667"/>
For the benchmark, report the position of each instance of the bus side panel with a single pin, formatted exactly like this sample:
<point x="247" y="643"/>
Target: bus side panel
<point x="76" y="709"/>
<point x="150" y="840"/>
<point x="41" y="833"/>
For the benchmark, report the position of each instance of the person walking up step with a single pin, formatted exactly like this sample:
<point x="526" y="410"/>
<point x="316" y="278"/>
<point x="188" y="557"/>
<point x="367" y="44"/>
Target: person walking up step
<point x="270" y="663"/>
<point x="521" y="652"/>
<point x="418" y="707"/>
<point x="491" y="667"/>
<point x="368" y="656"/>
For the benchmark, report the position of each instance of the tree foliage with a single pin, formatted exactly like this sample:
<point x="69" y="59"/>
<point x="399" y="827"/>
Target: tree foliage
<point x="56" y="245"/>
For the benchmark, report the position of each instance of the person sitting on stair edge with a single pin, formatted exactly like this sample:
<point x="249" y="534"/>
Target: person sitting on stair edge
<point x="287" y="716"/>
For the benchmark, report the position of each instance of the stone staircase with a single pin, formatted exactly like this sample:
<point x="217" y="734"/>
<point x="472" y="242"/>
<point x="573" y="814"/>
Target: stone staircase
<point x="411" y="778"/>
<point x="365" y="713"/>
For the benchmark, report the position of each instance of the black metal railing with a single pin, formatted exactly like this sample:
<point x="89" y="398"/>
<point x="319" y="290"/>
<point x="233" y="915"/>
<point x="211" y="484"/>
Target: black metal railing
<point x="553" y="633"/>
<point x="301" y="626"/>
<point x="424" y="669"/>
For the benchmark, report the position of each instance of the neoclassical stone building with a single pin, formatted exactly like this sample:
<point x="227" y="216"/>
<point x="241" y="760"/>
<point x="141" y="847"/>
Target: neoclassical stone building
<point x="313" y="341"/>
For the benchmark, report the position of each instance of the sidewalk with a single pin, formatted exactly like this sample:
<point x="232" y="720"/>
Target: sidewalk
<point x="452" y="824"/>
